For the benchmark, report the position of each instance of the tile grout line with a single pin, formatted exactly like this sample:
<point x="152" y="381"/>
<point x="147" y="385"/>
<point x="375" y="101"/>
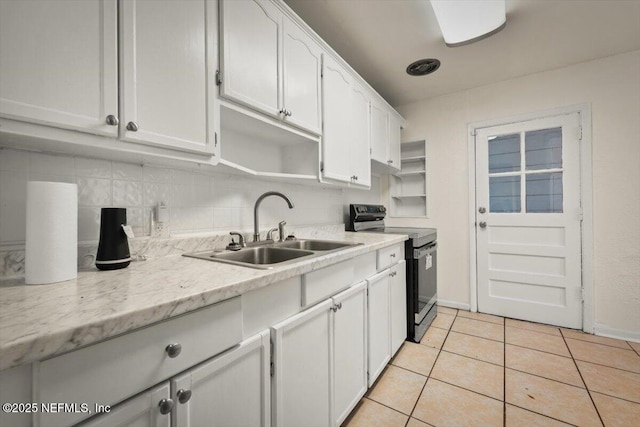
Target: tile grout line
<point x="633" y="348"/>
<point x="431" y="370"/>
<point x="543" y="415"/>
<point x="504" y="374"/>
<point x="582" y="378"/>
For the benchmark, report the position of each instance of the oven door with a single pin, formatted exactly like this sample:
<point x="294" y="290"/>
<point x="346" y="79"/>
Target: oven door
<point x="425" y="287"/>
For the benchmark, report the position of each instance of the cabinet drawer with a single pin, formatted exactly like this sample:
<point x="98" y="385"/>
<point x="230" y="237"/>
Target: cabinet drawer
<point x="111" y="371"/>
<point x="321" y="284"/>
<point x="389" y="256"/>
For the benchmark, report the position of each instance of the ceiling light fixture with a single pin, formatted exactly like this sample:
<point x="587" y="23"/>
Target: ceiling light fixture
<point x="467" y="21"/>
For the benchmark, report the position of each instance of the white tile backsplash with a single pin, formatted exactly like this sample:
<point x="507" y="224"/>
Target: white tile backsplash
<point x="198" y="201"/>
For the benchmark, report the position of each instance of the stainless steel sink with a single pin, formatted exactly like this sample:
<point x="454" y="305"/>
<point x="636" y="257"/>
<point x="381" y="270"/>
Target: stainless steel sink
<point x="268" y="254"/>
<point x="261" y="255"/>
<point x="314" y="245"/>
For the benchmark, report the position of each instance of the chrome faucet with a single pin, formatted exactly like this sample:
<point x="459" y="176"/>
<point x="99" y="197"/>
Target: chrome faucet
<point x="256" y="227"/>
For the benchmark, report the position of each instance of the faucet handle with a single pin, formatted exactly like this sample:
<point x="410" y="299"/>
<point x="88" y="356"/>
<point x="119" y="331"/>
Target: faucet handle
<point x="281" y="225"/>
<point x="236" y="246"/>
<point x="270" y="233"/>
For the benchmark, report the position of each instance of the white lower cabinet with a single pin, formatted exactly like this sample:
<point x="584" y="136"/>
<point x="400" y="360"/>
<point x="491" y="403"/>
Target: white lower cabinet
<point x="143" y="410"/>
<point x="231" y="390"/>
<point x="302" y="353"/>
<point x="398" y="304"/>
<point x="320" y="361"/>
<point x="378" y="316"/>
<point x="350" y="350"/>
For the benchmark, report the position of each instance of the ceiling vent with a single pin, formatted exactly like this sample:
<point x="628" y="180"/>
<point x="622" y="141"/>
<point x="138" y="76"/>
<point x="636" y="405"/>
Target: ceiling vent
<point x="423" y="67"/>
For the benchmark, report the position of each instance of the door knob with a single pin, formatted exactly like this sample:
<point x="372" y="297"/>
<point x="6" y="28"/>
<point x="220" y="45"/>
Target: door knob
<point x="482" y="209"/>
<point x="483" y="224"/>
<point x="112" y="120"/>
<point x="183" y="395"/>
<point x="173" y="350"/>
<point x="166" y="406"/>
<point x="132" y="126"/>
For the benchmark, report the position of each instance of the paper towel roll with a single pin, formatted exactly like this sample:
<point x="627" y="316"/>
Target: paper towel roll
<point x="51" y="253"/>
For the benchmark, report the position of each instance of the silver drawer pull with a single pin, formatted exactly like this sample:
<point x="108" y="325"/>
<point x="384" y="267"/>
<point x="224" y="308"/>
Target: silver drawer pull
<point x="132" y="126"/>
<point x="166" y="406"/>
<point x="112" y="120"/>
<point x="392" y="255"/>
<point x="173" y="350"/>
<point x="183" y="395"/>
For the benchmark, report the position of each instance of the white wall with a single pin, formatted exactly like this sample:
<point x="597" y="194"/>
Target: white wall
<point x="198" y="201"/>
<point x="612" y="87"/>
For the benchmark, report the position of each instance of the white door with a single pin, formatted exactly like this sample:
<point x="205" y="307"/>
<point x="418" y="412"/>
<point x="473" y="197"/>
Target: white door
<point x="350" y="350"/>
<point x="231" y="390"/>
<point x="528" y="220"/>
<point x="302" y="68"/>
<point x="58" y="63"/>
<point x="398" y="305"/>
<point x="336" y="134"/>
<point x="379" y="132"/>
<point x="250" y="54"/>
<point x="360" y="145"/>
<point x="143" y="410"/>
<point x="302" y="354"/>
<point x="378" y="318"/>
<point x="166" y="70"/>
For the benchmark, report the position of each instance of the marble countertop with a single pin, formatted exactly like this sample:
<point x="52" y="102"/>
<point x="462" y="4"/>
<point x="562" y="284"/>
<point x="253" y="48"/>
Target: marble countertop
<point x="40" y="321"/>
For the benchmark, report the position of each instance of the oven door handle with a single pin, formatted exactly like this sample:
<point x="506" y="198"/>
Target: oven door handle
<point x="423" y="252"/>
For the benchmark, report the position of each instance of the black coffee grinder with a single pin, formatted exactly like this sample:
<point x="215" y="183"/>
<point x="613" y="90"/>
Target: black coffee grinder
<point x="113" y="249"/>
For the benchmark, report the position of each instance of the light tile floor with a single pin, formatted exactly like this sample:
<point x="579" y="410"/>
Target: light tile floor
<point x="473" y="369"/>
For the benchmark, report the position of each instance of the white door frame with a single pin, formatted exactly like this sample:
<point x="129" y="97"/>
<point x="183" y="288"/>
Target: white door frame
<point x="586" y="201"/>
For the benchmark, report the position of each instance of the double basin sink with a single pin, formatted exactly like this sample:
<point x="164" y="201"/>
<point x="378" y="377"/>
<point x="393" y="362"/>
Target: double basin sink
<point x="271" y="254"/>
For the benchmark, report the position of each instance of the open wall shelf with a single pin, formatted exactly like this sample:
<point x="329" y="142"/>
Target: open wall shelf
<point x="408" y="187"/>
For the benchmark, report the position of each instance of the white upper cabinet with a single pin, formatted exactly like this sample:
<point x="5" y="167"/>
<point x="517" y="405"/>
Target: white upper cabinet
<point x="336" y="105"/>
<point x="302" y="84"/>
<point x="58" y="64"/>
<point x="167" y="68"/>
<point x="379" y="132"/>
<point x="395" y="129"/>
<point x="360" y="144"/>
<point x="270" y="64"/>
<point x="385" y="135"/>
<point x="345" y="138"/>
<point x="250" y="54"/>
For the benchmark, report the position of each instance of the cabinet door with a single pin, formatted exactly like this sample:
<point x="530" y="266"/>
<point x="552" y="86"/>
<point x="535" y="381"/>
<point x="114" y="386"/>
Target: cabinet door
<point x="251" y="54"/>
<point x="360" y="156"/>
<point x="398" y="305"/>
<point x="142" y="410"/>
<point x="379" y="341"/>
<point x="58" y="63"/>
<point x="394" y="141"/>
<point x="302" y="354"/>
<point x="337" y="128"/>
<point x="165" y="73"/>
<point x="350" y="350"/>
<point x="379" y="132"/>
<point x="301" y="85"/>
<point x="230" y="390"/>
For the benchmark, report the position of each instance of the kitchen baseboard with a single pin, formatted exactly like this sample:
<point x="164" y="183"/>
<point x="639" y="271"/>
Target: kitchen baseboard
<point x="453" y="304"/>
<point x="621" y="334"/>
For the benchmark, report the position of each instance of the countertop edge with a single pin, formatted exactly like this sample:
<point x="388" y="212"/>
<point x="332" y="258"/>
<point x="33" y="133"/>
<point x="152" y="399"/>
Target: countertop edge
<point x="31" y="348"/>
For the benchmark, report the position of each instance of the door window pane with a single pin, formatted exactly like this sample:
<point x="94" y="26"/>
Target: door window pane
<point x="543" y="149"/>
<point x="504" y="153"/>
<point x="544" y="192"/>
<point x="504" y="194"/>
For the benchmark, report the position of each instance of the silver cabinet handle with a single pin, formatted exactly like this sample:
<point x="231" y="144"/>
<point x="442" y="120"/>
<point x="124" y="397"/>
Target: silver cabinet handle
<point x="183" y="395"/>
<point x="112" y="120"/>
<point x="166" y="406"/>
<point x="339" y="305"/>
<point x="483" y="224"/>
<point x="390" y="161"/>
<point x="173" y="350"/>
<point x="133" y="126"/>
<point x="392" y="255"/>
<point x="288" y="113"/>
<point x="393" y="273"/>
<point x="482" y="209"/>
